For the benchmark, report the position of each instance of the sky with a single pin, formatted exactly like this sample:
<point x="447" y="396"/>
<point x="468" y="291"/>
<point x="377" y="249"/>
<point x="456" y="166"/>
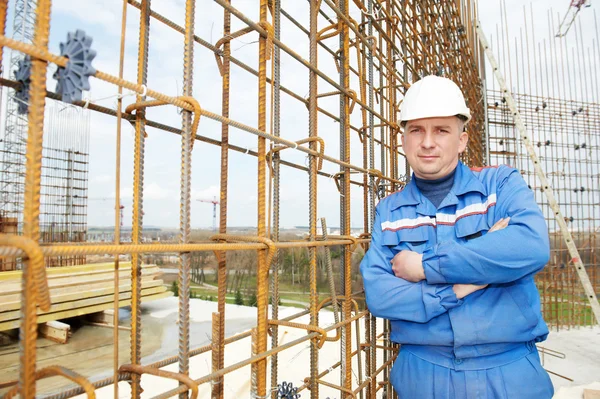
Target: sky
<point x="101" y="19"/>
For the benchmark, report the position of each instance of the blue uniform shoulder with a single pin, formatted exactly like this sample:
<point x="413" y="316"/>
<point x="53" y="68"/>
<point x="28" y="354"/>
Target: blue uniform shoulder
<point x="389" y="199"/>
<point x="496" y="173"/>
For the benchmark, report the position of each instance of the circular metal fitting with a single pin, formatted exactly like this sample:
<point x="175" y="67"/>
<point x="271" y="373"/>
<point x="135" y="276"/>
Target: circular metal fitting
<point x="287" y="391"/>
<point x="74" y="78"/>
<point x="23" y="76"/>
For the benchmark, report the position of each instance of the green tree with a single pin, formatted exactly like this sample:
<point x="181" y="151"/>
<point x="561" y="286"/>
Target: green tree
<point x="238" y="298"/>
<point x="253" y="301"/>
<point x="175" y="288"/>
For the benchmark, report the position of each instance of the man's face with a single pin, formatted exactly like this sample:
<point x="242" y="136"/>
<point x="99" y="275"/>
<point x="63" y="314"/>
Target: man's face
<point x="432" y="145"/>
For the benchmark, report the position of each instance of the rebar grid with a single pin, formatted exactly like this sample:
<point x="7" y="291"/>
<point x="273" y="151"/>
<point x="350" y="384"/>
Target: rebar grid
<point x="567" y="144"/>
<point x="555" y="87"/>
<point x="378" y="48"/>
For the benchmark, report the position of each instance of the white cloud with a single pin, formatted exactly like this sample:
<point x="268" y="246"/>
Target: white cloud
<point x="102" y="179"/>
<point x="206" y="194"/>
<point x="95" y="12"/>
<point x="152" y="191"/>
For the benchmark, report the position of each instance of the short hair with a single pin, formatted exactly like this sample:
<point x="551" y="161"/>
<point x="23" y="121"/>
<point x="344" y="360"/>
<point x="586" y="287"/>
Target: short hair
<point x="463" y="119"/>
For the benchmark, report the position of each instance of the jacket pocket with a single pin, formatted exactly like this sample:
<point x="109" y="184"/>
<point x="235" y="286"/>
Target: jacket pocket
<point x="411" y="239"/>
<point x="471" y="227"/>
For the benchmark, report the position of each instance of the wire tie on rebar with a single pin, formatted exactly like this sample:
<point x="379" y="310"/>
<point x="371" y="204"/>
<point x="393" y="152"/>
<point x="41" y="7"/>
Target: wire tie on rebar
<point x="144" y="91"/>
<point x="372" y="15"/>
<point x="267" y="396"/>
<point x="120" y="96"/>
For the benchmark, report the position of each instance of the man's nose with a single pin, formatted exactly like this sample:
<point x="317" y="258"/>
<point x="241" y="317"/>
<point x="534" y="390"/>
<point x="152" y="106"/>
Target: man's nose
<point x="428" y="140"/>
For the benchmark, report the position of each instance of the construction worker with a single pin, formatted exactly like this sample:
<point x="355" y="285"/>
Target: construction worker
<point x="452" y="260"/>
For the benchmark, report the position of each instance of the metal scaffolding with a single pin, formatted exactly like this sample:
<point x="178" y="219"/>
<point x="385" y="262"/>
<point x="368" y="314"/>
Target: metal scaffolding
<point x="15" y="127"/>
<point x="555" y="88"/>
<point x="65" y="158"/>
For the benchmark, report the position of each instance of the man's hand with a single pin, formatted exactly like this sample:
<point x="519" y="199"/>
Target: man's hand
<point x="462" y="290"/>
<point x="408" y="265"/>
<point x="499" y="225"/>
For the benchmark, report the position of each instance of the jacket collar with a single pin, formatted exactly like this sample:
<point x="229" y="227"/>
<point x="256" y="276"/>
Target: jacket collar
<point x="464" y="182"/>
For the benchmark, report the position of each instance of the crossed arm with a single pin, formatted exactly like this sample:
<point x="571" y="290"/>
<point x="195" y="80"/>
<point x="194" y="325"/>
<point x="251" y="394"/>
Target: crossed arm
<point x="432" y="283"/>
<point x="408" y="265"/>
<point x="496" y="258"/>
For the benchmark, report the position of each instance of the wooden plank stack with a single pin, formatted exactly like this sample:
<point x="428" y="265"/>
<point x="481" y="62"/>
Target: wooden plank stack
<point x="78" y="290"/>
<point x="8" y="226"/>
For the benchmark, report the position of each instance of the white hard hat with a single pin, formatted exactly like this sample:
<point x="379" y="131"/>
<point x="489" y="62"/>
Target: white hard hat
<point x="433" y="96"/>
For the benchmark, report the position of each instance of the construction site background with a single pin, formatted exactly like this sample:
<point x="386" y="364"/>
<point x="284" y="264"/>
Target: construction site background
<point x="278" y="114"/>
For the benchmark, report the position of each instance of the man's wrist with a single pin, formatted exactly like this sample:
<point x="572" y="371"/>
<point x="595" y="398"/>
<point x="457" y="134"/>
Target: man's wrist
<point x="459" y="291"/>
<point x="431" y="267"/>
<point x="422" y="268"/>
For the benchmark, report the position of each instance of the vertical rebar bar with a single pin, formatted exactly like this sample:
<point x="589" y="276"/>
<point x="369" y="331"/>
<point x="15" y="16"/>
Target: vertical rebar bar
<point x="276" y="191"/>
<point x="31" y="203"/>
<point x="263" y="271"/>
<point x="185" y="193"/>
<point x="137" y="211"/>
<point x="219" y="354"/>
<point x="117" y="231"/>
<point x="312" y="193"/>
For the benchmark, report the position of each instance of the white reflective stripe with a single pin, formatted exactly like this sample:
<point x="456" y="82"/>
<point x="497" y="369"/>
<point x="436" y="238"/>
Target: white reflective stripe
<point x="441" y="218"/>
<point x="471" y="209"/>
<point x="407" y="223"/>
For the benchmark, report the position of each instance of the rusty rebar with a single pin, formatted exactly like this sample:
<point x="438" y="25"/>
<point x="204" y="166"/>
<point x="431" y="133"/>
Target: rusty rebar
<point x="118" y="202"/>
<point x="138" y="187"/>
<point x="390" y="44"/>
<point x="31" y="203"/>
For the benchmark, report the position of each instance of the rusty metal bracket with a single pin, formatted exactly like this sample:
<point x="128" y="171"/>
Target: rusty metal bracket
<point x="364" y="236"/>
<point x="308" y="327"/>
<point x="336" y="27"/>
<point x="278" y="148"/>
<point x="53" y="371"/>
<point x="334" y="386"/>
<point x="36" y="259"/>
<point x="191" y="101"/>
<point x="225" y="39"/>
<point x="338" y="331"/>
<point x="139" y="369"/>
<point x="254" y="239"/>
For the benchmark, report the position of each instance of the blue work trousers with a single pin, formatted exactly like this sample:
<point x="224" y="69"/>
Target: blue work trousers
<point x="525" y="378"/>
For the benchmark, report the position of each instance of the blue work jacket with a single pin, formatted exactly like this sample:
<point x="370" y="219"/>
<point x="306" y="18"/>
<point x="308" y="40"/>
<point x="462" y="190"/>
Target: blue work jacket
<point x="490" y="327"/>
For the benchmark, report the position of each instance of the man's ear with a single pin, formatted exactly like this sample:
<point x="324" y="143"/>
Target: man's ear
<point x="464" y="139"/>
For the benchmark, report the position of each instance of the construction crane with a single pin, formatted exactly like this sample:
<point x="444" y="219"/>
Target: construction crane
<point x="215" y="202"/>
<point x="569" y="18"/>
<point x="121" y="207"/>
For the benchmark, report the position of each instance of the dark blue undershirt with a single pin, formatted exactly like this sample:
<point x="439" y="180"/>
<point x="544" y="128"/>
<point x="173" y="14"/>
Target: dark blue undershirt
<point x="436" y="190"/>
